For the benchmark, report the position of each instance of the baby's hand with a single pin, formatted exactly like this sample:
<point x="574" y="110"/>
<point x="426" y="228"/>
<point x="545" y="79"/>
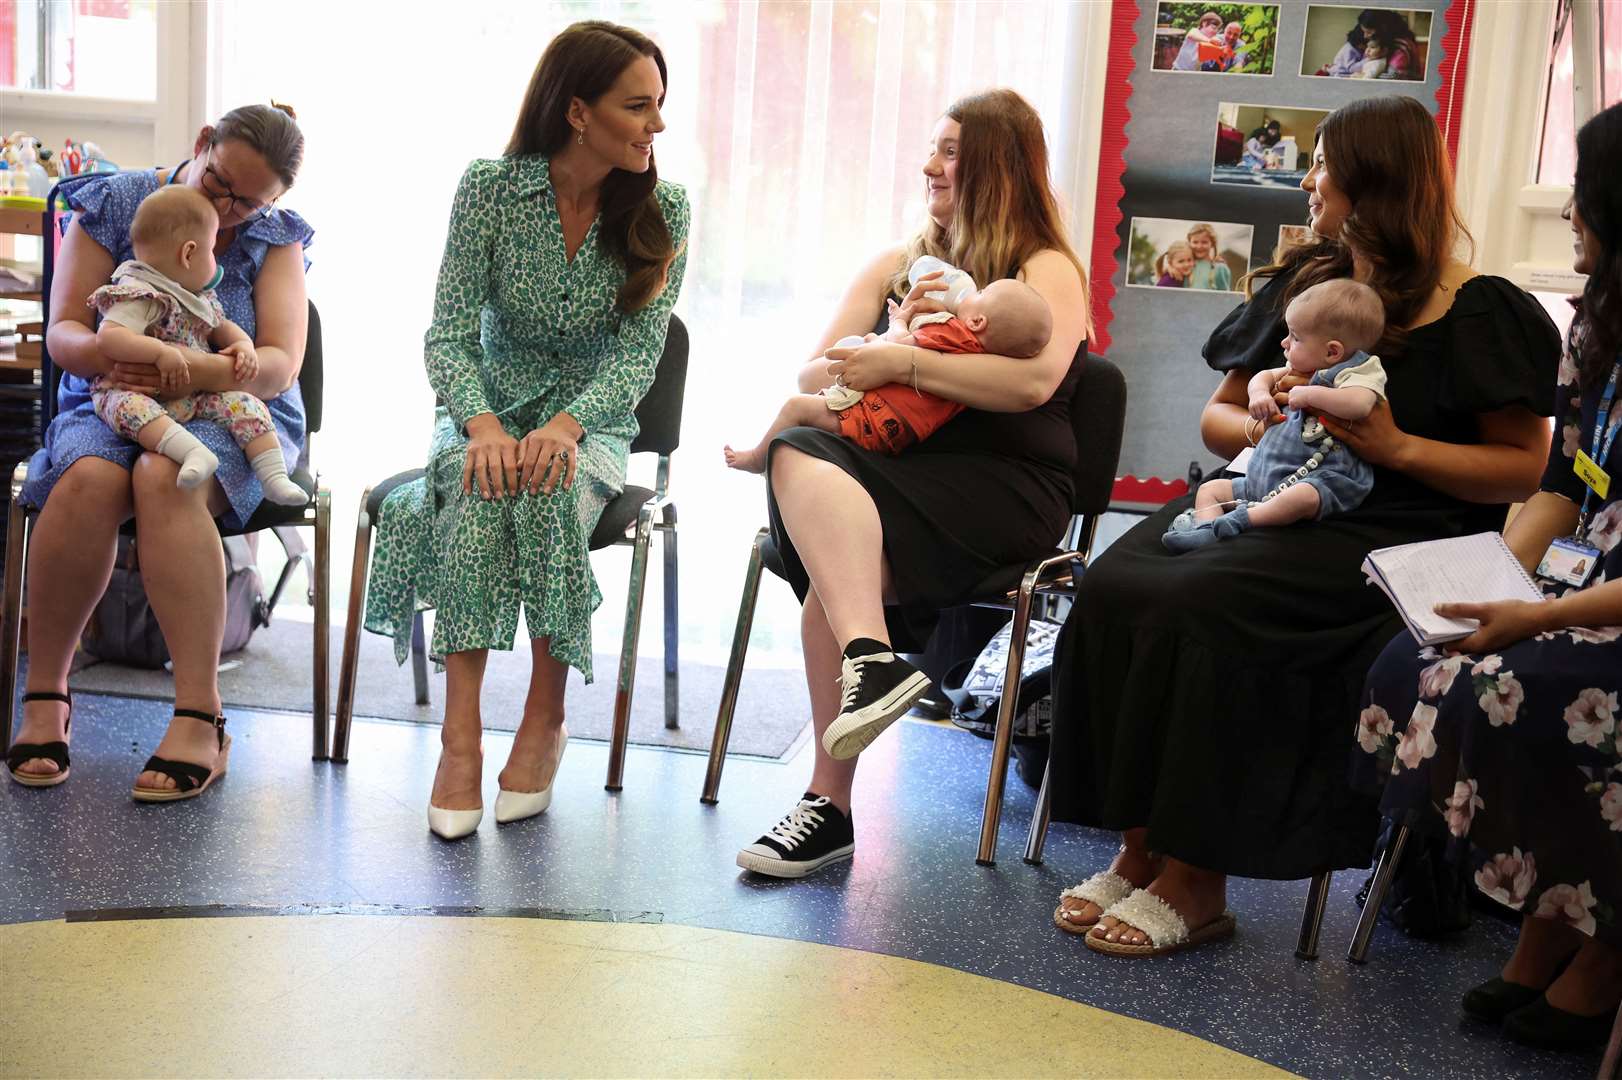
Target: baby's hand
<point x="247" y="360"/>
<point x="174" y="373"/>
<point x="1262" y="407"/>
<point x="1301" y="397"/>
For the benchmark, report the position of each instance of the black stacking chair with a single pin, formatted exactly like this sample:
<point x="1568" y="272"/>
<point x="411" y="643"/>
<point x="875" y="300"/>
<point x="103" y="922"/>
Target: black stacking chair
<point x="628" y="520"/>
<point x="284" y="521"/>
<point x="1098" y="415"/>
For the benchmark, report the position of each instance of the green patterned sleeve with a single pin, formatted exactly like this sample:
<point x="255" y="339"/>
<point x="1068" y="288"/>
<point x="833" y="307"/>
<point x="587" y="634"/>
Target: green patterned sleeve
<point x="452" y="350"/>
<point x="625" y="378"/>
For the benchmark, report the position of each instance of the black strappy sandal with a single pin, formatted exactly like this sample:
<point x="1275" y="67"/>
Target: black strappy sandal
<point x="55" y="752"/>
<point x="190" y="780"/>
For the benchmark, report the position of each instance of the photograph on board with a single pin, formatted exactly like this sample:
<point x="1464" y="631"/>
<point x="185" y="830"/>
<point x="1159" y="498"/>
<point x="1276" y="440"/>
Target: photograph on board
<point x="1264" y="145"/>
<point x="1177" y="253"/>
<point x="1348" y="42"/>
<point x="1221" y="39"/>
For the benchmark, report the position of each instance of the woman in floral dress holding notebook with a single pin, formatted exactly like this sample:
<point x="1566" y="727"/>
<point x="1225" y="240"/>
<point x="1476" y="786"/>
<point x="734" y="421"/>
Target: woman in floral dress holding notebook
<point x="1510" y="742"/>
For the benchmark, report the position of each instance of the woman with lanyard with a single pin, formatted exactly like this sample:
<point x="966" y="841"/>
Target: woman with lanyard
<point x="88" y="480"/>
<point x="1508" y="740"/>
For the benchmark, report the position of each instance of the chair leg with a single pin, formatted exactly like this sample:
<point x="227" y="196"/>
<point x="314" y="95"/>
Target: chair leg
<point x="734" y="675"/>
<point x="633" y="630"/>
<point x="419" y="658"/>
<point x="321" y="632"/>
<point x="293" y="548"/>
<point x="348" y="667"/>
<point x="1312" y="919"/>
<point x="1007" y="709"/>
<point x="1038" y="835"/>
<point x="11" y="619"/>
<point x="672" y="625"/>
<point x="1383" y="872"/>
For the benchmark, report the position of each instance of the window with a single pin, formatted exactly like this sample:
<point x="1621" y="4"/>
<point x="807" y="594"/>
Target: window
<point x="798" y="129"/>
<point x="1557" y="158"/>
<point x="103" y="48"/>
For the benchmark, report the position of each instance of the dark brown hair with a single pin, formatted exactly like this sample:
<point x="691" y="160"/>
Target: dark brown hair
<point x="1598" y="200"/>
<point x="1006" y="210"/>
<point x="272" y="130"/>
<point x="1386" y="155"/>
<point x="173" y="213"/>
<point x="583" y="62"/>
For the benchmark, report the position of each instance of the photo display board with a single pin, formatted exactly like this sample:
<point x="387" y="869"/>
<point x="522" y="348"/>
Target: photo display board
<point x="1210" y="121"/>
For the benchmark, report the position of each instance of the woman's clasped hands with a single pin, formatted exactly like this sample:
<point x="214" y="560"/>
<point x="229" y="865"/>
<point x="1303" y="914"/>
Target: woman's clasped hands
<point x="500" y="465"/>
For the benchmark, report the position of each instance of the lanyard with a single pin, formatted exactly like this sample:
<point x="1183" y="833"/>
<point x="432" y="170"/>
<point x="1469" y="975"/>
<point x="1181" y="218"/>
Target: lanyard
<point x="1604" y="436"/>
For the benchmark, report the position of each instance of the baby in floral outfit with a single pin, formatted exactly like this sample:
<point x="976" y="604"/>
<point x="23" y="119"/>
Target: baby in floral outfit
<point x="164" y="298"/>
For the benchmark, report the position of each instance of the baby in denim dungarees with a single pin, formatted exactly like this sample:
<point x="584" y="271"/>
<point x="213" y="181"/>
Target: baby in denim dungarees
<point x="1299" y="472"/>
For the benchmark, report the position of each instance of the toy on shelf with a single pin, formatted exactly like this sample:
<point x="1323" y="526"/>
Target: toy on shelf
<point x="95" y="161"/>
<point x="72" y="159"/>
<point x="34" y="174"/>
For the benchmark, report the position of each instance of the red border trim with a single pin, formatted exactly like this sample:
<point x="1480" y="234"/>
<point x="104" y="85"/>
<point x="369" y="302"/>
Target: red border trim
<point x="1455" y="66"/>
<point x="1111" y="165"/>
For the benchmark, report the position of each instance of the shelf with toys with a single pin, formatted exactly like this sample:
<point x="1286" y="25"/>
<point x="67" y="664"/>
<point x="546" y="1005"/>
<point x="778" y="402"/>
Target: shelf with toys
<point x="27" y="172"/>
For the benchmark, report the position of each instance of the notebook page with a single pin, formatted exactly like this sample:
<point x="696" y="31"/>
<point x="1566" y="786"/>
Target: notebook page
<point x="1467" y="569"/>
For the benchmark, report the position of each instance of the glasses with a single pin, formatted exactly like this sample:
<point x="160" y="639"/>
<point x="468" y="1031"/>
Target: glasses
<point x="218" y="190"/>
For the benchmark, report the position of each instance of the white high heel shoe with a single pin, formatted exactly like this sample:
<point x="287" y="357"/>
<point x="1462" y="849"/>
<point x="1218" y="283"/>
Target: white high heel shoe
<point x="453" y="824"/>
<point x="518" y="805"/>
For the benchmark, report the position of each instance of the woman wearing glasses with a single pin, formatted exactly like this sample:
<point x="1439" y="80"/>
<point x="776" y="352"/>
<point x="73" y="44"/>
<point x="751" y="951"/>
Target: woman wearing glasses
<point x="87" y="480"/>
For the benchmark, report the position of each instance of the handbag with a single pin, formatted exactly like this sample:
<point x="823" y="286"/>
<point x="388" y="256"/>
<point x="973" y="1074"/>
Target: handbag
<point x="123" y="630"/>
<point x="1430" y="890"/>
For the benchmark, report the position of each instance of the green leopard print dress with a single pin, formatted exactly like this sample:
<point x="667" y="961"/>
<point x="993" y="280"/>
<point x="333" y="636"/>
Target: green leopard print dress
<point x="522" y="332"/>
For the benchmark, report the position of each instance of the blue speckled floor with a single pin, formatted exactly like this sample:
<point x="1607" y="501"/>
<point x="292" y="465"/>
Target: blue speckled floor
<point x="282" y="830"/>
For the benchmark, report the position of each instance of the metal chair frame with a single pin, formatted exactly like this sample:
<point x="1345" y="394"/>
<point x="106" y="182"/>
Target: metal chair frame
<point x="316" y="514"/>
<point x="657" y="514"/>
<point x="639" y="537"/>
<point x="1052" y="576"/>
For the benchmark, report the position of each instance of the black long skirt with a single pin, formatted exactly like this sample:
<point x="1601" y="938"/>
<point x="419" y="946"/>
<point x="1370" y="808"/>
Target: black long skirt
<point x="1213" y="696"/>
<point x="950" y="519"/>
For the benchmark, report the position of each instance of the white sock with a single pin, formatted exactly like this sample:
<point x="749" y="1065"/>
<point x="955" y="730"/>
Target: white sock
<point x="271" y="469"/>
<point x="197" y="462"/>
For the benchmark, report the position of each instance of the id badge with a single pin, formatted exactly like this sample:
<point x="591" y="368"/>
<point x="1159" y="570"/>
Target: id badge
<point x="1569" y="561"/>
<point x="1591" y="474"/>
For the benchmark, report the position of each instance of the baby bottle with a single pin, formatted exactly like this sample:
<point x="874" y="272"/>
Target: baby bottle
<point x="958" y="284"/>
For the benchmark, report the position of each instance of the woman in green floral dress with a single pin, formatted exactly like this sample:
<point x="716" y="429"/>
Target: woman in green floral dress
<point x="563" y="260"/>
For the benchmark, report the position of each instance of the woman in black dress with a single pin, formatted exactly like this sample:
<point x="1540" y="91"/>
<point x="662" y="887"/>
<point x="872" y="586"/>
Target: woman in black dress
<point x="1204" y="701"/>
<point x="1509" y="742"/>
<point x="876" y="545"/>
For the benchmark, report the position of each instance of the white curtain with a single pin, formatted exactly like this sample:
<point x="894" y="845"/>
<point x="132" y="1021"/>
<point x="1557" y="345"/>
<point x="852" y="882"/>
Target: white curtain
<point x="798" y="128"/>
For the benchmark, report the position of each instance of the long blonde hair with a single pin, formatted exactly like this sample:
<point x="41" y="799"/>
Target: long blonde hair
<point x="1006" y="209"/>
<point x="1163" y="261"/>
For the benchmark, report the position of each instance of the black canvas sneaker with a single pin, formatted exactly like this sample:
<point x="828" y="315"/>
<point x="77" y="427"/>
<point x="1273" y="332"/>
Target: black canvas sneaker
<point x="809" y="837"/>
<point x="879" y="688"/>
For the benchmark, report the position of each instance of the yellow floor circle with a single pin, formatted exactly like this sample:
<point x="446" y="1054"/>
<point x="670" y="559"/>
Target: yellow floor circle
<point x="426" y="996"/>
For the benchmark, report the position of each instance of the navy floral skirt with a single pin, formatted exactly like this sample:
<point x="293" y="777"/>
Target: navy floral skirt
<point x="1514" y="755"/>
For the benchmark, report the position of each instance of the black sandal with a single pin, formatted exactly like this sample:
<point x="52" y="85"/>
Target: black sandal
<point x="55" y="752"/>
<point x="191" y="780"/>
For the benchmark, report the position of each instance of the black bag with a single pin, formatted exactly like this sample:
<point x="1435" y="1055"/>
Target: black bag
<point x="975" y="689"/>
<point x="123" y="630"/>
<point x="959" y="635"/>
<point x="1430" y="892"/>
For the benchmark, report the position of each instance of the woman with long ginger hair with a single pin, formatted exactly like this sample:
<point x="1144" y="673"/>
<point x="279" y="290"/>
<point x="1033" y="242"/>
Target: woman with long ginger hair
<point x="543" y="342"/>
<point x="875" y="545"/>
<point x="1204" y="703"/>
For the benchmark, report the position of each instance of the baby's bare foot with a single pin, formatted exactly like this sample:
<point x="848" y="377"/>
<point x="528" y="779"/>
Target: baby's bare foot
<point x="753" y="461"/>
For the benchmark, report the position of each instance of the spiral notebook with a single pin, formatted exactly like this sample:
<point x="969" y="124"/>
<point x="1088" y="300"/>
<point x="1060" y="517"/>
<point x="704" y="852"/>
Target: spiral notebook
<point x="1466" y="569"/>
